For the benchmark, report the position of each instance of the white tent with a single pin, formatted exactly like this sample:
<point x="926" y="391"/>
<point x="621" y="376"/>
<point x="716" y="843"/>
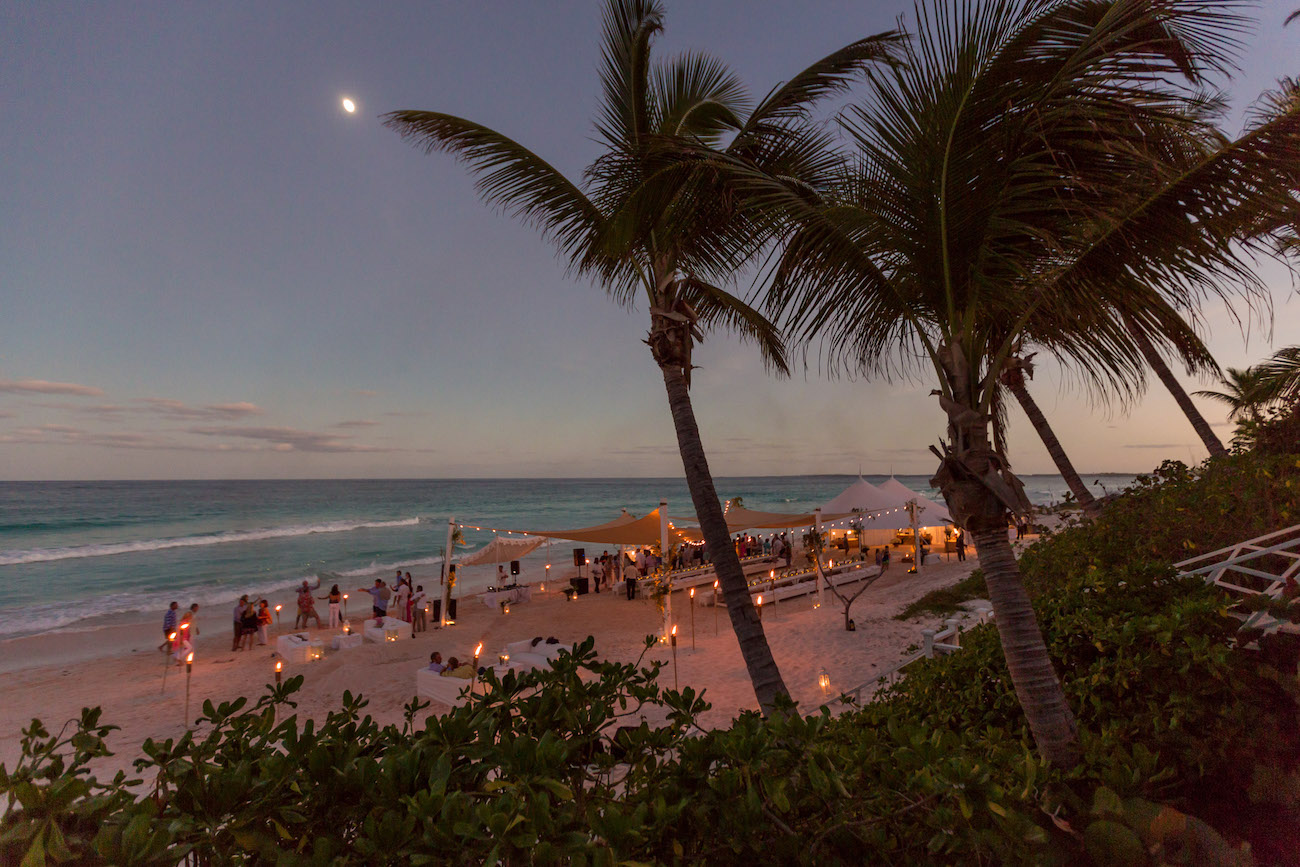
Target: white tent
<point x="861" y="496"/>
<point x="930" y="513"/>
<point x="501" y="550"/>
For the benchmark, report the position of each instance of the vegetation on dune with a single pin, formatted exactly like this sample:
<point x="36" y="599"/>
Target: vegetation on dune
<point x="1190" y="750"/>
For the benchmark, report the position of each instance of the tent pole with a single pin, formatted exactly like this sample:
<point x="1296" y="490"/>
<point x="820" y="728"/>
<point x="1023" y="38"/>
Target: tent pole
<point x="916" y="538"/>
<point x="663" y="558"/>
<point x="817" y="530"/>
<point x="446" y="566"/>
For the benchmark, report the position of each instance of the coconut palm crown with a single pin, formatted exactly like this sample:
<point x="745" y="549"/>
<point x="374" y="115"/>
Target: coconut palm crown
<point x="1032" y="172"/>
<point x="649" y="222"/>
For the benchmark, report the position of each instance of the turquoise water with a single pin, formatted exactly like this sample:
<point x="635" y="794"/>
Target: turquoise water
<point x="71" y="551"/>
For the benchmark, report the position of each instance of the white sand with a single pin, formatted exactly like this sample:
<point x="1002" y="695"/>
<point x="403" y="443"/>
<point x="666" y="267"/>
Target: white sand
<point x="119" y="668"/>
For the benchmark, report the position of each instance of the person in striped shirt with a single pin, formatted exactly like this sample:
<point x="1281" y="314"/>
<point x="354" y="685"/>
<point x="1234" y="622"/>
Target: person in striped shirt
<point x="169" y="626"/>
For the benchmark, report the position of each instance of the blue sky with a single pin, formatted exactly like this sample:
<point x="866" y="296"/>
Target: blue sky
<point x="209" y="269"/>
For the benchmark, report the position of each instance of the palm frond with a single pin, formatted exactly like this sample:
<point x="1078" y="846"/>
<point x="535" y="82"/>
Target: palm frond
<point x="1280" y="375"/>
<point x="629" y="27"/>
<point x="833" y="74"/>
<point x="717" y="308"/>
<point x="508" y="175"/>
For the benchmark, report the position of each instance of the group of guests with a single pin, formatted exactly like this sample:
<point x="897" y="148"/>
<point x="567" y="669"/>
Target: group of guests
<point x="404" y="600"/>
<point x="453" y="667"/>
<point x="179" y="631"/>
<point x="251" y="621"/>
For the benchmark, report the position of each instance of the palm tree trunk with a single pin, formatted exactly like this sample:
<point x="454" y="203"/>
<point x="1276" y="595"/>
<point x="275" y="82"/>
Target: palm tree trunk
<point x="763" y="672"/>
<point x="1202" y="427"/>
<point x="1035" y="681"/>
<point x="1048" y="436"/>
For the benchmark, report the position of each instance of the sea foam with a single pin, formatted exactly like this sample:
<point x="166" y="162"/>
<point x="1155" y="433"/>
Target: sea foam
<point x="46" y="555"/>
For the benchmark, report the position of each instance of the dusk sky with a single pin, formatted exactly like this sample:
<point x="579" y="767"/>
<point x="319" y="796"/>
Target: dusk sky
<point x="209" y="269"/>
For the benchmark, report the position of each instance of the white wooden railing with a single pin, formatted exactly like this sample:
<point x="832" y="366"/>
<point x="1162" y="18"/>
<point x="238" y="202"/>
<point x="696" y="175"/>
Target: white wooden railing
<point x="1262" y="566"/>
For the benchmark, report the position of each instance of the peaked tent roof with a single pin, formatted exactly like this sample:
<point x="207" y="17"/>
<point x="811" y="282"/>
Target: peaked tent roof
<point x="931" y="513"/>
<point x="860" y="496"/>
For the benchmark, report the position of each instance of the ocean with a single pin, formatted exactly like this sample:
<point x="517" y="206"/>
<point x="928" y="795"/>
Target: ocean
<point x="94" y="552"/>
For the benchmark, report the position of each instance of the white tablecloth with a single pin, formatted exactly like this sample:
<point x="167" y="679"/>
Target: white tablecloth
<point x="523" y="593"/>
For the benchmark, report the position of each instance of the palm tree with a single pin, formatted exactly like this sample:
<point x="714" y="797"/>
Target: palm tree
<point x="650" y="221"/>
<point x="1244" y="392"/>
<point x="1012" y="175"/>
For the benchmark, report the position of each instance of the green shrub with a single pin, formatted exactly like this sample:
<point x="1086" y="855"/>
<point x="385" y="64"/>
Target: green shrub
<point x="946" y="600"/>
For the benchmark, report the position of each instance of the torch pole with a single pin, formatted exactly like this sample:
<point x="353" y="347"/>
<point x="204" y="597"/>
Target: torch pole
<point x="189" y="670"/>
<point x="692" y="618"/>
<point x="167" y="660"/>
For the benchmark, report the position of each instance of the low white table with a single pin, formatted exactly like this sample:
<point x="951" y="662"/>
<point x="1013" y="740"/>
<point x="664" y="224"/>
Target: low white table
<point x="522" y="593"/>
<point x="294" y="647"/>
<point x="378" y="631"/>
<point x="343" y="642"/>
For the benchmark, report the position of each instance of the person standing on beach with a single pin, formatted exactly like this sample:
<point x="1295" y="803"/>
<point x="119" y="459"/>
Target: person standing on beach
<point x="335" y="599"/>
<point x="238" y="618"/>
<point x="418" y="619"/>
<point x="398" y="603"/>
<point x="378" y="598"/>
<point x="307" y="606"/>
<point x="263" y="620"/>
<point x="961" y="545"/>
<point x="410" y="598"/>
<point x="169" y="626"/>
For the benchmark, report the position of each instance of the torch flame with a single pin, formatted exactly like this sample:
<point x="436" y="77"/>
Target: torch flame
<point x="674" y="629"/>
<point x="478" y="649"/>
<point x="279" y="666"/>
<point x="760" y="599"/>
<point x="172" y="637"/>
<point x="189" y="659"/>
<point x="692" y="592"/>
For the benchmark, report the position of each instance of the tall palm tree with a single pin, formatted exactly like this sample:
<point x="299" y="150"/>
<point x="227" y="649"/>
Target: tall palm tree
<point x="1009" y="172"/>
<point x="649" y="220"/>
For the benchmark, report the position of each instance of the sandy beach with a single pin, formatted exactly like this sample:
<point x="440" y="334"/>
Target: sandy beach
<point x="118" y="667"/>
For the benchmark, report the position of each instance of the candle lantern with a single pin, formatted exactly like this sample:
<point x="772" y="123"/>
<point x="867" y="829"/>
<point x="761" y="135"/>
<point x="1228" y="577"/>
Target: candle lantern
<point x="345" y="605"/>
<point x="503" y="658"/>
<point x="505" y="607"/>
<point x="390" y="635"/>
<point x="824" y="681"/>
<point x="347" y="628"/>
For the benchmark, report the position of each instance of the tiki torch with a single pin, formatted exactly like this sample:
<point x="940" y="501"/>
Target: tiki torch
<point x="673" y="638"/>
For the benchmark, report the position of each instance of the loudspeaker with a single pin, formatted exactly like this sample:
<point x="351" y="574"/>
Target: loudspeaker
<point x="514" y="567"/>
<point x="579" y="556"/>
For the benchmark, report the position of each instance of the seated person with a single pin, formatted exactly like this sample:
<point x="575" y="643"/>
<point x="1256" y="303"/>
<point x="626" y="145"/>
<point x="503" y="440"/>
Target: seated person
<point x="456" y="669"/>
<point x="435" y="663"/>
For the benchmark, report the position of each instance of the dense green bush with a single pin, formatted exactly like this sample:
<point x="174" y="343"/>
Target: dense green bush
<point x="1183" y="734"/>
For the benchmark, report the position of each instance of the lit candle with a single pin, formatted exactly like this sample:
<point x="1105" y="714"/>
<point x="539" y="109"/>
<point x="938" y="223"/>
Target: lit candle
<point x="279" y="667"/>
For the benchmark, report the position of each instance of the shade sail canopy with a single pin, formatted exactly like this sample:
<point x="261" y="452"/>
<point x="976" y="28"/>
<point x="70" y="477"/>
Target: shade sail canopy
<point x="623" y="531"/>
<point x="502" y="550"/>
<point x="739" y="518"/>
